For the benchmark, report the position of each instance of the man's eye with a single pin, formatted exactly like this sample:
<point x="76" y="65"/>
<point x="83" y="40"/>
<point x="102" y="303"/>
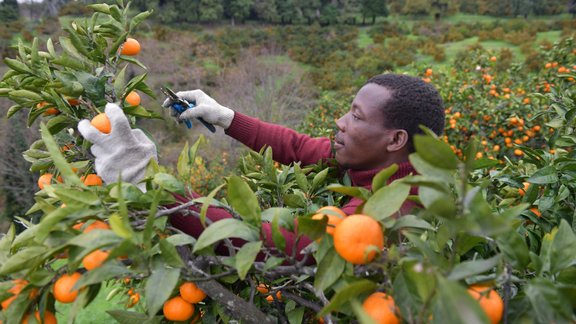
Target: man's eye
<point x="355" y="117"/>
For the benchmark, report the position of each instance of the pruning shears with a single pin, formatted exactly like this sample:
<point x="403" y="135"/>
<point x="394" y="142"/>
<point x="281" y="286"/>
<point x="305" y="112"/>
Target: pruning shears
<point x="180" y="105"/>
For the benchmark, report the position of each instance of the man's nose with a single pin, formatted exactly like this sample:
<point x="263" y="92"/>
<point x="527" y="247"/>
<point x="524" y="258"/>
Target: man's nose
<point x="340" y="123"/>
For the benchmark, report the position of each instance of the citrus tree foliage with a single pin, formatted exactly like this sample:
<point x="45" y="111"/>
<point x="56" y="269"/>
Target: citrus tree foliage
<point x="477" y="223"/>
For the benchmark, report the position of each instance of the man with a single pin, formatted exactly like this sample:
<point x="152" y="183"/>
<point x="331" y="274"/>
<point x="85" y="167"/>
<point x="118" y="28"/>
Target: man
<point x="376" y="133"/>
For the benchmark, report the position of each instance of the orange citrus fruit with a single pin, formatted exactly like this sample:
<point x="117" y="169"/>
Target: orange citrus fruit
<point x="134" y="299"/>
<point x="278" y="297"/>
<point x="262" y="288"/>
<point x="19" y="284"/>
<point x="46" y="179"/>
<point x="191" y="293"/>
<point x="489" y="300"/>
<point x="63" y="288"/>
<point x="177" y="309"/>
<point x="96" y="225"/>
<point x="357" y="238"/>
<point x="91" y="180"/>
<point x="381" y="308"/>
<point x="49" y="318"/>
<point x="334" y="214"/>
<point x="130" y="47"/>
<point x="101" y="123"/>
<point x="73" y="101"/>
<point x="133" y="98"/>
<point x="94" y="259"/>
<point x="522" y="191"/>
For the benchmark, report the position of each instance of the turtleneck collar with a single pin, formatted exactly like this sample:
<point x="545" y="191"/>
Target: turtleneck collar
<point x="364" y="178"/>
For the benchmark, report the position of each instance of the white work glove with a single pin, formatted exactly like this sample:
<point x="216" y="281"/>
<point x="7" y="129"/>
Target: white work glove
<point x="206" y="108"/>
<point x="123" y="152"/>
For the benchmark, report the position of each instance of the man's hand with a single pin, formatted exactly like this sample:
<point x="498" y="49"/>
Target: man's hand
<point x="124" y="152"/>
<point x="206" y="108"/>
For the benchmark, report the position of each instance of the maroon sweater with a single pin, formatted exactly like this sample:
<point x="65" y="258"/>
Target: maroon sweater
<point x="287" y="146"/>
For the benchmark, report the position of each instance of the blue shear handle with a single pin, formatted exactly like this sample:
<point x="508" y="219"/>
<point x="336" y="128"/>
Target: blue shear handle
<point x="180" y="109"/>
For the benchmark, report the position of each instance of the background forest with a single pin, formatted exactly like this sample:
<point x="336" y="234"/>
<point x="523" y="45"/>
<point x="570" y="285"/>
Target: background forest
<point x="498" y="187"/>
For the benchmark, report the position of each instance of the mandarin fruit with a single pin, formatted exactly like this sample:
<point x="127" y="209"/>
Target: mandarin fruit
<point x="130" y="47"/>
<point x="49" y="318"/>
<point x="101" y="123"/>
<point x="381" y="308"/>
<point x="357" y="238"/>
<point x="91" y="180"/>
<point x="334" y="214"/>
<point x="46" y="179"/>
<point x="133" y="98"/>
<point x="489" y="300"/>
<point x="63" y="288"/>
<point x="191" y="293"/>
<point x="177" y="309"/>
<point x="94" y="259"/>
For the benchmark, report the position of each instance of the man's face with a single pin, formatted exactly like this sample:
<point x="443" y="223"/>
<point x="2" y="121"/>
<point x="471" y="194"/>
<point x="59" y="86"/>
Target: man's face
<point x="362" y="141"/>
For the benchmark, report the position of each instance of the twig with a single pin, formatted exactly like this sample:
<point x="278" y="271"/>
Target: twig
<point x="237" y="307"/>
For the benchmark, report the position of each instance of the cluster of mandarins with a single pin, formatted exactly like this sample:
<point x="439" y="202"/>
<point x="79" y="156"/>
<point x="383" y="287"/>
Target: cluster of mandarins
<point x="358" y="238"/>
<point x="181" y="307"/>
<point x="62" y="288"/>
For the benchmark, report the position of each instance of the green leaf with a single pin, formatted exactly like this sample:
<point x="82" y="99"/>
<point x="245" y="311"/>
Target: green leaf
<point x="138" y="19"/>
<point x="223" y="229"/>
<point x="121" y="226"/>
<point x="319" y="179"/>
<point x="381" y="178"/>
<point x="243" y="200"/>
<point x="329" y="270"/>
<point x="59" y="160"/>
<point x="184" y="166"/>
<point x="387" y="200"/>
<point x="96" y="238"/>
<point x="348" y="293"/>
<point x="169" y="183"/>
<point x="544" y="176"/>
<point x="120" y="82"/>
<point x="170" y="254"/>
<point x="412" y="221"/>
<point x="246" y="256"/>
<point x="109" y="270"/>
<point x="563" y="248"/>
<point x="159" y="286"/>
<point x="514" y="248"/>
<point x="453" y="304"/>
<point x="471" y="268"/>
<point x="83" y="197"/>
<point x="100" y="7"/>
<point x="127" y="317"/>
<point x="357" y="192"/>
<point x="277" y="237"/>
<point x="23" y="259"/>
<point x="301" y="180"/>
<point x="548" y="304"/>
<point x="435" y="152"/>
<point x="150" y="220"/>
<point x="49" y="222"/>
<point x="312" y="228"/>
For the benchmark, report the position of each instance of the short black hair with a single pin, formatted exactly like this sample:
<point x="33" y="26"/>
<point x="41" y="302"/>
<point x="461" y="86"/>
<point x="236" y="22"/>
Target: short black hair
<point x="413" y="103"/>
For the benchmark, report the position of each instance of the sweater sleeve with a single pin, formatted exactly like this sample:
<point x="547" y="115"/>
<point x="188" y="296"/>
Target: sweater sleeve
<point x="287" y="145"/>
<point x="191" y="225"/>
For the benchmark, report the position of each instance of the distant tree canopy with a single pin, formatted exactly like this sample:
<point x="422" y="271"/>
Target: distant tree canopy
<point x="9" y="10"/>
<point x="324" y="12"/>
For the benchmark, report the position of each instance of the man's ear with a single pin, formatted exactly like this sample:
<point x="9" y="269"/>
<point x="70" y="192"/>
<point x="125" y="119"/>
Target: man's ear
<point x="398" y="141"/>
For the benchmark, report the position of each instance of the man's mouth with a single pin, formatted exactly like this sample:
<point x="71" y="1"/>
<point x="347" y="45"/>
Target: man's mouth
<point x="338" y="142"/>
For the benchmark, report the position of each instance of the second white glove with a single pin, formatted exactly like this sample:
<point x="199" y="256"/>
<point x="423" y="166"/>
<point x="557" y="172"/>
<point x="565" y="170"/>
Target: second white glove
<point x="123" y="152"/>
<point x="206" y="108"/>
